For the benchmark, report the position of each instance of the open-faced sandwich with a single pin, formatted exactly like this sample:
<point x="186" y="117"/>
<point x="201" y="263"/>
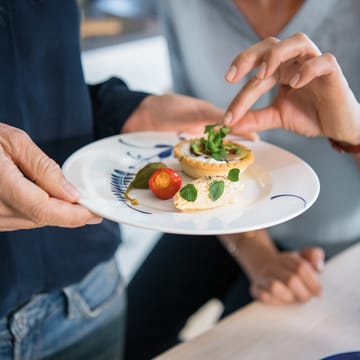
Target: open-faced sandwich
<point x="212" y="155"/>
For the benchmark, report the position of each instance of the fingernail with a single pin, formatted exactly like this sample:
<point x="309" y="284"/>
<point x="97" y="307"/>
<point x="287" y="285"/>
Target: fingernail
<point x="262" y="71"/>
<point x="320" y="265"/>
<point x="71" y="190"/>
<point x="228" y="118"/>
<point x="230" y="74"/>
<point x="95" y="220"/>
<point x="293" y="82"/>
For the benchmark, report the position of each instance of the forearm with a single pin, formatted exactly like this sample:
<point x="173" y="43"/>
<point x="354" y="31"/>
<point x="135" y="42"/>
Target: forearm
<point x="140" y="119"/>
<point x="250" y="249"/>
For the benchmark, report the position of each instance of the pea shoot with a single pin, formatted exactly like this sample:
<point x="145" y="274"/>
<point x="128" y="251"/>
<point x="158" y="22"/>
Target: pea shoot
<point x="213" y="144"/>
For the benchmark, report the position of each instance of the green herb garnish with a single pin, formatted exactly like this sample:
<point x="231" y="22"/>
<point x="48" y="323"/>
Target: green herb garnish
<point x="216" y="189"/>
<point x="233" y="175"/>
<point x="189" y="192"/>
<point x="213" y="145"/>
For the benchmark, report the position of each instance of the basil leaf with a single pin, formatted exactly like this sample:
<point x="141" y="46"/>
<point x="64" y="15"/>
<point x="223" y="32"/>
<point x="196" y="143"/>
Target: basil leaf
<point x="189" y="192"/>
<point x="216" y="189"/>
<point x="233" y="175"/>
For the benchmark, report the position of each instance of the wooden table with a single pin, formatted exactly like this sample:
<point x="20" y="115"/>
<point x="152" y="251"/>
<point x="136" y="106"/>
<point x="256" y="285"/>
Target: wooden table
<point x="324" y="326"/>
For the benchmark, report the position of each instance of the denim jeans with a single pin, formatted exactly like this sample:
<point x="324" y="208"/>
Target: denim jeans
<point x="83" y="321"/>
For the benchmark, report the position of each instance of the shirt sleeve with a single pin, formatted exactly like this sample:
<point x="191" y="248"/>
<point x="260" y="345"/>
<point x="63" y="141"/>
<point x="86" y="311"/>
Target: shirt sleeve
<point x="112" y="103"/>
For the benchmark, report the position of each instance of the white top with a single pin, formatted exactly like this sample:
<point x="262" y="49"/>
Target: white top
<point x="205" y="35"/>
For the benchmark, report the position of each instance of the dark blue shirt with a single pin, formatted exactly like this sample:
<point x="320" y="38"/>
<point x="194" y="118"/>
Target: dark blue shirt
<point x="42" y="91"/>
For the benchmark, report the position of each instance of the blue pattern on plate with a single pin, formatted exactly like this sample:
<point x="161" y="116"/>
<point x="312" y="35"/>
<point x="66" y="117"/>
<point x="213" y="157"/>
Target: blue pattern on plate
<point x="120" y="181"/>
<point x="289" y="195"/>
<point x="163" y="151"/>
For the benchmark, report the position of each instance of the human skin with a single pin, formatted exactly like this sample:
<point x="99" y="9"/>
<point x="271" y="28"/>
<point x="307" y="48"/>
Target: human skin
<point x="314" y="98"/>
<point x="276" y="277"/>
<point x="33" y="190"/>
<point x="172" y="112"/>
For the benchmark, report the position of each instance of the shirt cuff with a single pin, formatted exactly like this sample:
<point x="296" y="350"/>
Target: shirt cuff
<point x="112" y="103"/>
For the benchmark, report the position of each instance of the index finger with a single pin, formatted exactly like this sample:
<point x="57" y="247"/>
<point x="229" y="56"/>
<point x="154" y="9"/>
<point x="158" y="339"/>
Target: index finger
<point x="249" y="59"/>
<point x="269" y="54"/>
<point x="33" y="203"/>
<point x="35" y="164"/>
<point x="246" y="97"/>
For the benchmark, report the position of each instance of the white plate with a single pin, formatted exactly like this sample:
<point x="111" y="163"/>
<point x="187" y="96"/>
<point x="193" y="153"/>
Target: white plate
<point x="278" y="186"/>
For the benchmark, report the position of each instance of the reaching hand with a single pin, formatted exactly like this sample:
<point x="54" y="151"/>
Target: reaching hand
<point x="33" y="190"/>
<point x="314" y="98"/>
<point x="173" y="112"/>
<point x="288" y="277"/>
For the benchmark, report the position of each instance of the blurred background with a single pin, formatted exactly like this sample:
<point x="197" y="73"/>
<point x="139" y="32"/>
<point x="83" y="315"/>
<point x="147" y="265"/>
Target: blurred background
<point x="123" y="38"/>
<point x="107" y="22"/>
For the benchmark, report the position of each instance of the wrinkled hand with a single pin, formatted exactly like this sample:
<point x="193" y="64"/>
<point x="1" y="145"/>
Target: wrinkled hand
<point x="172" y="112"/>
<point x="314" y="98"/>
<point x="33" y="190"/>
<point x="289" y="277"/>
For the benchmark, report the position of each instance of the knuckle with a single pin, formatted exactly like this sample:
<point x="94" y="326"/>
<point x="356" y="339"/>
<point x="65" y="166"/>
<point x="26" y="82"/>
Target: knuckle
<point x="47" y="165"/>
<point x="301" y="37"/>
<point x="306" y="68"/>
<point x="273" y="54"/>
<point x="292" y="281"/>
<point x="245" y="58"/>
<point x="331" y="60"/>
<point x="271" y="40"/>
<point x="39" y="215"/>
<point x="302" y="268"/>
<point x="253" y="82"/>
<point x="275" y="286"/>
<point x="18" y="139"/>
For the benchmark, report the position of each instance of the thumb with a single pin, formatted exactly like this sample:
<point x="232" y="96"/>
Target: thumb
<point x="315" y="256"/>
<point x="40" y="169"/>
<point x="257" y="120"/>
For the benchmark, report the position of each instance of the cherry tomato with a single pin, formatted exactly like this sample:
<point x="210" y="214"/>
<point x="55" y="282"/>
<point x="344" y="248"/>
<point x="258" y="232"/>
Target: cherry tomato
<point x="164" y="183"/>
